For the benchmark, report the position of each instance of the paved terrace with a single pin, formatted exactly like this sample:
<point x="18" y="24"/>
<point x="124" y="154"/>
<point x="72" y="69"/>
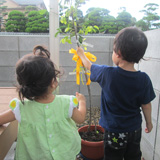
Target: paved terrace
<point x="12" y="47"/>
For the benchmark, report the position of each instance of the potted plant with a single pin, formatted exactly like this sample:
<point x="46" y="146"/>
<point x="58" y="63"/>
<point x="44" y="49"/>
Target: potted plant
<point x="74" y="27"/>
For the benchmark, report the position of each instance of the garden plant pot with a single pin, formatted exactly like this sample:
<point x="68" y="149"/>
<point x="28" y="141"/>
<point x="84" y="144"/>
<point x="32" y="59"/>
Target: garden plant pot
<point x="92" y="150"/>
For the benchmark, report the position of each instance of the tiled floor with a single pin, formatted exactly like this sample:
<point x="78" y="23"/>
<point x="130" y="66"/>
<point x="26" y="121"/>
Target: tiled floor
<point x="10" y="155"/>
<point x="11" y="152"/>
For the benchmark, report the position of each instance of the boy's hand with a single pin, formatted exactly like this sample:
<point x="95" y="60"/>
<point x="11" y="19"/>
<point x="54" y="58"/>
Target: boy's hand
<point x="86" y="62"/>
<point x="149" y="127"/>
<point x="80" y="51"/>
<point x="80" y="97"/>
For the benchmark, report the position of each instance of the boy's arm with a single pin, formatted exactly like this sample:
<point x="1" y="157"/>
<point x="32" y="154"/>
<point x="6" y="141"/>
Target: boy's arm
<point x="86" y="62"/>
<point x="6" y="117"/>
<point x="146" y="108"/>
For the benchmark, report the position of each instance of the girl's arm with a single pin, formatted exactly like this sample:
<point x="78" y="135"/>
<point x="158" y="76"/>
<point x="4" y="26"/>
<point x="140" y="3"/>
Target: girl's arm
<point x="79" y="114"/>
<point x="86" y="62"/>
<point x="6" y="117"/>
<point x="146" y="108"/>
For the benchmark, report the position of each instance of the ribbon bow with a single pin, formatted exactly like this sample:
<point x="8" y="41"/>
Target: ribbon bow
<point x="77" y="59"/>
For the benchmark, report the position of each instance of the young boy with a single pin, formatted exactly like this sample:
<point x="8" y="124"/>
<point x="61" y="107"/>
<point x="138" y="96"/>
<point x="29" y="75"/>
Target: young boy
<point x="124" y="92"/>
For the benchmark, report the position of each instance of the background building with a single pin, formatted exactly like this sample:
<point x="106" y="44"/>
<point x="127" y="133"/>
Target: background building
<point x="20" y="5"/>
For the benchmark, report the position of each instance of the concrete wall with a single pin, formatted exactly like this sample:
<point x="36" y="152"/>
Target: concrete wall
<point x="151" y="142"/>
<point x="11" y="49"/>
<point x="14" y="47"/>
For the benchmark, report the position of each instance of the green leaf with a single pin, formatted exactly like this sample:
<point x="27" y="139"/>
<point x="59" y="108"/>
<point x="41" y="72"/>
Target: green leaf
<point x="80" y="39"/>
<point x="86" y="32"/>
<point x="63" y="20"/>
<point x="69" y="41"/>
<point x="56" y="34"/>
<point x="68" y="29"/>
<point x="63" y="41"/>
<point x="80" y="31"/>
<point x="89" y="28"/>
<point x="96" y="27"/>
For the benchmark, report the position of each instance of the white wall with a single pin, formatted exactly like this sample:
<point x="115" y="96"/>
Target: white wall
<point x="151" y="142"/>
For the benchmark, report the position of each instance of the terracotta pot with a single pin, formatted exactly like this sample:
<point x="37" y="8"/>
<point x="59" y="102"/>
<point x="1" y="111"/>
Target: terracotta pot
<point x="92" y="150"/>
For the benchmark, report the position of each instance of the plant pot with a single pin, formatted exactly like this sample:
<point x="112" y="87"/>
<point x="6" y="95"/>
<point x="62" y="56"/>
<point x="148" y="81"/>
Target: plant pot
<point x="92" y="150"/>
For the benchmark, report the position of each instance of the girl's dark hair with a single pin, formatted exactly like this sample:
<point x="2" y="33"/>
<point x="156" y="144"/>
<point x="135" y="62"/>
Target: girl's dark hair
<point x="34" y="75"/>
<point x="132" y="44"/>
<point x="41" y="51"/>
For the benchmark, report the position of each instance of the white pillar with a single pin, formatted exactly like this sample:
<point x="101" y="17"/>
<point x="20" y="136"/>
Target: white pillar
<point x="53" y="25"/>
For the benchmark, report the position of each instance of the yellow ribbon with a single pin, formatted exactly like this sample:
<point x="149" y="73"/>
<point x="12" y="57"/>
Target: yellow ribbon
<point x="77" y="59"/>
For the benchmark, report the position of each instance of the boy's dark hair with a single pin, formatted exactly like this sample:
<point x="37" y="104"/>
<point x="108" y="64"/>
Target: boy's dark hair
<point x="132" y="44"/>
<point x="34" y="75"/>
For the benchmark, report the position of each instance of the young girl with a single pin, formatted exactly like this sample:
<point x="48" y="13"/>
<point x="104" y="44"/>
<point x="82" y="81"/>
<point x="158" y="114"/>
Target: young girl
<point x="47" y="128"/>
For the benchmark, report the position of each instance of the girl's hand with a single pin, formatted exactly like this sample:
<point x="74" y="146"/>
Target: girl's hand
<point x="79" y="113"/>
<point x="80" y="97"/>
<point x="7" y="116"/>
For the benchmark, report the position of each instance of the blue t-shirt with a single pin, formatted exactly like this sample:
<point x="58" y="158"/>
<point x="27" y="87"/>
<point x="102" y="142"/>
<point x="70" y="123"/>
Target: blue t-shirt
<point x="123" y="93"/>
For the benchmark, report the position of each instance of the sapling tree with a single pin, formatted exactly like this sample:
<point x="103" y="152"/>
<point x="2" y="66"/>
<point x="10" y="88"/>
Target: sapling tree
<point x="74" y="27"/>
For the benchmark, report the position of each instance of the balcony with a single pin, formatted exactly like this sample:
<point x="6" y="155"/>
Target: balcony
<point x="12" y="47"/>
